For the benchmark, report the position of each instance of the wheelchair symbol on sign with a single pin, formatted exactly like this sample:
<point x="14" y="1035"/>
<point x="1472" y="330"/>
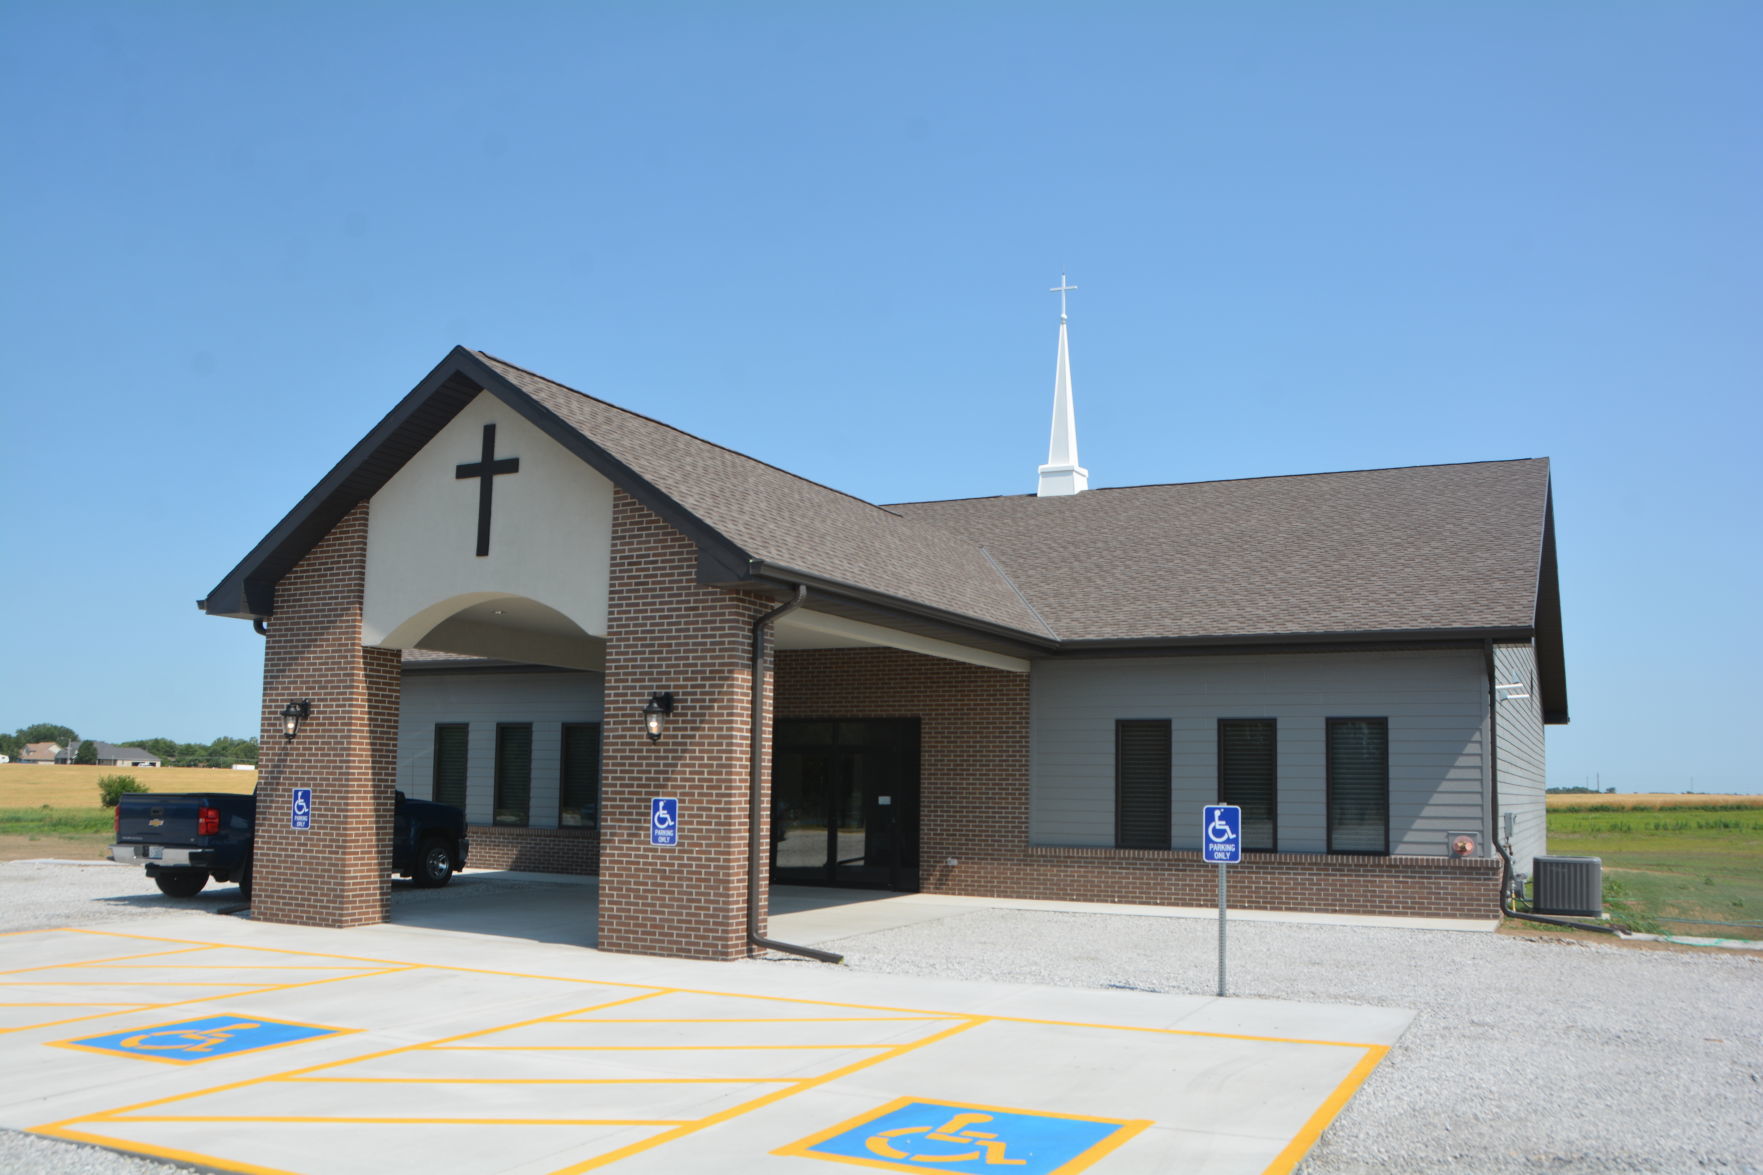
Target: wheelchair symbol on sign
<point x="188" y="1040"/>
<point x="302" y="806"/>
<point x="1219" y="830"/>
<point x="982" y="1143"/>
<point x="663" y="819"/>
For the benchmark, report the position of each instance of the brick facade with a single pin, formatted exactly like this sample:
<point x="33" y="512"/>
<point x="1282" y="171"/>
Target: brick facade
<point x="975" y="807"/>
<point x="667" y="633"/>
<point x="336" y="872"/>
<point x="535" y="850"/>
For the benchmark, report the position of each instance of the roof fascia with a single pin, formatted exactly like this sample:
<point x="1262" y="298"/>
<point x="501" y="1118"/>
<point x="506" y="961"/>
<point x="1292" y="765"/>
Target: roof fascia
<point x="1551" y="653"/>
<point x="761" y="576"/>
<point x="249" y="589"/>
<point x="1383" y="640"/>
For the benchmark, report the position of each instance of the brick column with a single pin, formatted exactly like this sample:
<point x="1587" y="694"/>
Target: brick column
<point x="336" y="872"/>
<point x="668" y="633"/>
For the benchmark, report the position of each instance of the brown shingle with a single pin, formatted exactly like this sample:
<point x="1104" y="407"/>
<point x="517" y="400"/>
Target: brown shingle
<point x="1419" y="548"/>
<point x="788" y="520"/>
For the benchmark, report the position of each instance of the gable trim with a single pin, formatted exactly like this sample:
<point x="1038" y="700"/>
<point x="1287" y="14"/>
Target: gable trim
<point x="248" y="591"/>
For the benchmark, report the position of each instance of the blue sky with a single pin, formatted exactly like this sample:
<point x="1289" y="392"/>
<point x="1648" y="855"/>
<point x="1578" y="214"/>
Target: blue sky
<point x="1307" y="237"/>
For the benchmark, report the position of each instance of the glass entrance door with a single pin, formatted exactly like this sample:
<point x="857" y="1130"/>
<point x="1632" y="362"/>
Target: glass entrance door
<point x="845" y="803"/>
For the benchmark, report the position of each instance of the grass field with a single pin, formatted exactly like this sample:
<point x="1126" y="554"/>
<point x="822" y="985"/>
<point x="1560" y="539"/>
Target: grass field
<point x="55" y="811"/>
<point x="1675" y="864"/>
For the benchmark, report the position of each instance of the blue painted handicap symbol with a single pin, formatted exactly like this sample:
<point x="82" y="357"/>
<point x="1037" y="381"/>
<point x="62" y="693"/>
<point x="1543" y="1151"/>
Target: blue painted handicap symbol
<point x="909" y="1135"/>
<point x="189" y="1042"/>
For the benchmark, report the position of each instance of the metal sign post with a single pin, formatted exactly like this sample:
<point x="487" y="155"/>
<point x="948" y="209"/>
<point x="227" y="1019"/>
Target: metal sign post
<point x="1221" y="838"/>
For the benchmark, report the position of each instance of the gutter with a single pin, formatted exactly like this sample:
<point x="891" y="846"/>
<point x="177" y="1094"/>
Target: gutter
<point x="756" y="791"/>
<point x="1505" y="850"/>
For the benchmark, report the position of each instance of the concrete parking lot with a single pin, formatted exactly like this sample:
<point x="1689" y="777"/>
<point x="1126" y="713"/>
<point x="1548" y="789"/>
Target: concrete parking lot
<point x="251" y="1047"/>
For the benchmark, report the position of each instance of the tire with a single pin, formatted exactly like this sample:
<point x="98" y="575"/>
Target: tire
<point x="244" y="880"/>
<point x="434" y="863"/>
<point x="182" y="884"/>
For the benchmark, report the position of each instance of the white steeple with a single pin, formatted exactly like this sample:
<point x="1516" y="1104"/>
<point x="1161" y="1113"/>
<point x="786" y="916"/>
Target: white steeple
<point x="1062" y="474"/>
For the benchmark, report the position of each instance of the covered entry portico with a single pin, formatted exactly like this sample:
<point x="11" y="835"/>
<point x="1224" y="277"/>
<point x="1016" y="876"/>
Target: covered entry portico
<point x="477" y="519"/>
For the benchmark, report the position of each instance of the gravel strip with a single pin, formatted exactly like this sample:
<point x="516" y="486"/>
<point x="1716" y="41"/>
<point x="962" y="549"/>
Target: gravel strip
<point x="1526" y="1054"/>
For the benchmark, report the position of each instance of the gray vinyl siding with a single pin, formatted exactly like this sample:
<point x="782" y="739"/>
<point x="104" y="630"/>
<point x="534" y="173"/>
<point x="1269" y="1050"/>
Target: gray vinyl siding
<point x="1436" y="703"/>
<point x="1522" y="765"/>
<point x="545" y="699"/>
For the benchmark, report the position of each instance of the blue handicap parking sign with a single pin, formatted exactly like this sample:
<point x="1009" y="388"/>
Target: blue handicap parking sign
<point x="664" y="821"/>
<point x="1221" y="834"/>
<point x="910" y="1135"/>
<point x="300" y="811"/>
<point x="190" y="1042"/>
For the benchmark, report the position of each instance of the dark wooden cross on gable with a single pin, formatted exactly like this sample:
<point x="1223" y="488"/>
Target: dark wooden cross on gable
<point x="485" y="470"/>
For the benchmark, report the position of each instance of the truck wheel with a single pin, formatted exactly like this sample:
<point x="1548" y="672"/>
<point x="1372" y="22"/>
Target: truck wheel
<point x="244" y="880"/>
<point x="434" y="863"/>
<point x="185" y="883"/>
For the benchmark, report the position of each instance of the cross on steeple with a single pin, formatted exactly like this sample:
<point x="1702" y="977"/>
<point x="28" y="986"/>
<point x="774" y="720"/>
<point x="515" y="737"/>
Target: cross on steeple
<point x="484" y="470"/>
<point x="1060" y="289"/>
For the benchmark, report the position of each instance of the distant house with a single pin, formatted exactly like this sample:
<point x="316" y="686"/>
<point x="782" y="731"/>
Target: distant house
<point x="113" y="756"/>
<point x="40" y="753"/>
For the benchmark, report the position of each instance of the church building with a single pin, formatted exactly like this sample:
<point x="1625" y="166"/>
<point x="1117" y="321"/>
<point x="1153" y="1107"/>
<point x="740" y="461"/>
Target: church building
<point x="627" y="651"/>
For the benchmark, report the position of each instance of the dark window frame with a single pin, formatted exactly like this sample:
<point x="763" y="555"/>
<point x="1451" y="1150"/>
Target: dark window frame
<point x="465" y="767"/>
<point x="496" y="804"/>
<point x="599" y="729"/>
<point x="1273" y="799"/>
<point x="1165" y="839"/>
<point x="1329" y="787"/>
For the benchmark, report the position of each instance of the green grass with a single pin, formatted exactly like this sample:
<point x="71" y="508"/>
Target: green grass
<point x="57" y="822"/>
<point x="1703" y="862"/>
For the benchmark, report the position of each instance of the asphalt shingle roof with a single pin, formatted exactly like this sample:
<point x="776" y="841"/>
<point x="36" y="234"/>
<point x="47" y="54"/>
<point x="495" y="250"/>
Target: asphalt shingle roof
<point x="1419" y="548"/>
<point x="788" y="520"/>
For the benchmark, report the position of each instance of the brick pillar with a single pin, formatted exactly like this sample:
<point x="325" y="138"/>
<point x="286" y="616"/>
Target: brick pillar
<point x="336" y="872"/>
<point x="665" y="633"/>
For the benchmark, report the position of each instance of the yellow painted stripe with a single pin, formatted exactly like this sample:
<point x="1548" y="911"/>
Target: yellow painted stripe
<point x="202" y="999"/>
<point x="111" y="959"/>
<point x="196" y="1158"/>
<point x="736" y="1111"/>
<point x="648" y="1048"/>
<point x="129" y="1109"/>
<point x="367" y="1121"/>
<point x="1295" y="1150"/>
<point x="536" y="1080"/>
<point x="766" y="1020"/>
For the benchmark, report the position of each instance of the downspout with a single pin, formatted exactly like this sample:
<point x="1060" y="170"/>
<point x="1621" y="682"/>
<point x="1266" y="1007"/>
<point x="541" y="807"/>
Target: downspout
<point x="756" y="791"/>
<point x="259" y="626"/>
<point x="1505" y="851"/>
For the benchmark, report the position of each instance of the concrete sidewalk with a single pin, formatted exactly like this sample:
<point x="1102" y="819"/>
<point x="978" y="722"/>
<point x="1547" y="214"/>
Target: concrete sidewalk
<point x="252" y="1047"/>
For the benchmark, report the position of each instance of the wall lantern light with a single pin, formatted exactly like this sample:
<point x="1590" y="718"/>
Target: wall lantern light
<point x="655" y="715"/>
<point x="293" y="714"/>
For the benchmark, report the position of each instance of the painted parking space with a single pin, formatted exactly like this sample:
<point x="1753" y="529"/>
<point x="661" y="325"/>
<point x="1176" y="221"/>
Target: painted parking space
<point x="552" y="1074"/>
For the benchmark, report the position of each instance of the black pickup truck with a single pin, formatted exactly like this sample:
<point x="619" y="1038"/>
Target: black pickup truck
<point x="186" y="839"/>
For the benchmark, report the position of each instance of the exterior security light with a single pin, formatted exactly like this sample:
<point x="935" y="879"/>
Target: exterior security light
<point x="293" y="714"/>
<point x="655" y="715"/>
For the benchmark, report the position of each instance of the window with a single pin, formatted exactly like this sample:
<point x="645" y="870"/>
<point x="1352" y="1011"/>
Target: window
<point x="450" y="746"/>
<point x="1248" y="777"/>
<point x="514" y="772"/>
<point x="578" y="804"/>
<point x="1141" y="783"/>
<point x="1358" y="785"/>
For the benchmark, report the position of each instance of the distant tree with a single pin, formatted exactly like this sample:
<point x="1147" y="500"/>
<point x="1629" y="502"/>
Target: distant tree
<point x="9" y="745"/>
<point x="48" y="732"/>
<point x="87" y="754"/>
<point x="162" y="748"/>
